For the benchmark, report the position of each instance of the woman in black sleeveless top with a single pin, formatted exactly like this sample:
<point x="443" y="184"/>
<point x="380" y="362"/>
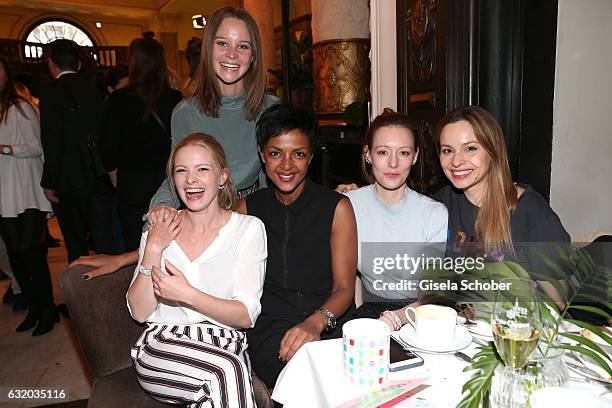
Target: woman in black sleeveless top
<point x="312" y="247"/>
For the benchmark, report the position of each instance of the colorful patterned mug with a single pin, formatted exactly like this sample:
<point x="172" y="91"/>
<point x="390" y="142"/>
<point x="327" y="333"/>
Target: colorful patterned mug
<point x="366" y="352"/>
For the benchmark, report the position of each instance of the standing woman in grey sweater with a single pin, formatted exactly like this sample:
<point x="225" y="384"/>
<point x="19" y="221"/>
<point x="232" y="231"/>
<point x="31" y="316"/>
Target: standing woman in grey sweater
<point x="229" y="98"/>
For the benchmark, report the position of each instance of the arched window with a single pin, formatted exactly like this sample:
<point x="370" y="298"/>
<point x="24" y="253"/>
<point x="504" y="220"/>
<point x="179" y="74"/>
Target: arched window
<point x="51" y="30"/>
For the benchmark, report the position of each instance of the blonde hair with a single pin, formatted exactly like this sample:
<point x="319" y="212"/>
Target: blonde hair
<point x="500" y="196"/>
<point x="227" y="193"/>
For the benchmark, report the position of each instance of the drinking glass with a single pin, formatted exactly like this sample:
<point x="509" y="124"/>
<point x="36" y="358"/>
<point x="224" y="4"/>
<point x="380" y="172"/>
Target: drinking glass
<point x="516" y="322"/>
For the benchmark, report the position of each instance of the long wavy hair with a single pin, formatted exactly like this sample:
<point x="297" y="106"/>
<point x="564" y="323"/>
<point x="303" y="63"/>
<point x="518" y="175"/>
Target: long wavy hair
<point x="8" y="94"/>
<point x="227" y="193"/>
<point x="500" y="195"/>
<point x="148" y="72"/>
<point x="208" y="92"/>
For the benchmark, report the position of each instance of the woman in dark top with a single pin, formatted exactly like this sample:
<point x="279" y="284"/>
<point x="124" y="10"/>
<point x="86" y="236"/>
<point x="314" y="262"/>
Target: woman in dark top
<point x="486" y="209"/>
<point x="488" y="213"/>
<point x="312" y="247"/>
<point x="136" y="140"/>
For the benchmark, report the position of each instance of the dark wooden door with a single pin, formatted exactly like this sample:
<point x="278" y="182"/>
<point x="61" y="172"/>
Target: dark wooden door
<point x="421" y="63"/>
<point x="497" y="54"/>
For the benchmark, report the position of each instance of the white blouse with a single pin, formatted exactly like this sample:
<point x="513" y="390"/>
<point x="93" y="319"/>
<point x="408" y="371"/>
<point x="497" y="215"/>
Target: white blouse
<point x="20" y="173"/>
<point x="233" y="267"/>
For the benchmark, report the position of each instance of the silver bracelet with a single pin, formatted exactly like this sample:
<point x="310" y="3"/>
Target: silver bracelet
<point x="144" y="270"/>
<point x="397" y="322"/>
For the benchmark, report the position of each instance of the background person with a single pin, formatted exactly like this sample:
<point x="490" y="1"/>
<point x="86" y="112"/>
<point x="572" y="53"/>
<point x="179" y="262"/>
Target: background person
<point x="135" y="142"/>
<point x="70" y="110"/>
<point x="193" y="51"/>
<point x="23" y="205"/>
<point x="115" y="78"/>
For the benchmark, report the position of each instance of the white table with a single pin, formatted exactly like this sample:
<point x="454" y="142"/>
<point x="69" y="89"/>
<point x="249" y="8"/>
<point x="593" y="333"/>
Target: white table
<point x="314" y="377"/>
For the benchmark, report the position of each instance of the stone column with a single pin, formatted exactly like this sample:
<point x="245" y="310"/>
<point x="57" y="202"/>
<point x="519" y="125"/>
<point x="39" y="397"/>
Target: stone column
<point x="341" y="44"/>
<point x="261" y="10"/>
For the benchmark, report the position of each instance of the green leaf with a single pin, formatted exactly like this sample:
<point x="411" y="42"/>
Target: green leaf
<point x="482" y="364"/>
<point x="586" y="342"/>
<point x="473" y="383"/>
<point x="484" y="361"/>
<point x="591" y="309"/>
<point x="477" y="390"/>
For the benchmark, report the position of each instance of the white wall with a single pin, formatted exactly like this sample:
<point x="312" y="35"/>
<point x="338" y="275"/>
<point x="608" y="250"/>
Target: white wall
<point x="581" y="179"/>
<point x="383" y="56"/>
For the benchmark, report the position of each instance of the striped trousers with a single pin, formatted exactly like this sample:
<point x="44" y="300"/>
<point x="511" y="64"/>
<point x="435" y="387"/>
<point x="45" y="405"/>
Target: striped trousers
<point x="201" y="365"/>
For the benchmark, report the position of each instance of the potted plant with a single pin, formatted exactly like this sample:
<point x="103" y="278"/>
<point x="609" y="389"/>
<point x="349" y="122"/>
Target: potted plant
<point x="547" y="363"/>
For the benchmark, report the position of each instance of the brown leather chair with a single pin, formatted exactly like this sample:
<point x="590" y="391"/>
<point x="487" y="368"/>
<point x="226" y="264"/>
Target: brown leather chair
<point x="106" y="332"/>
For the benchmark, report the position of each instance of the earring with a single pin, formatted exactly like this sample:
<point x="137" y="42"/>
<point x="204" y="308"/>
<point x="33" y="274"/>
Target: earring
<point x="368" y="161"/>
<point x="221" y="186"/>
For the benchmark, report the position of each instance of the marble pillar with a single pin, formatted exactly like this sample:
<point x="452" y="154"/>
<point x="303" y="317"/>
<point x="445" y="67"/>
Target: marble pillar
<point x="341" y="44"/>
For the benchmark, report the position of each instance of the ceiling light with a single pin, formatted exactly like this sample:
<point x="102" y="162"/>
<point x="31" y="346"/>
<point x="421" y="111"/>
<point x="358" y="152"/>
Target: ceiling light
<point x="199" y="21"/>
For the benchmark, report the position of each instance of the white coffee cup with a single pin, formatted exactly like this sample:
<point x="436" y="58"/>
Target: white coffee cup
<point x="434" y="325"/>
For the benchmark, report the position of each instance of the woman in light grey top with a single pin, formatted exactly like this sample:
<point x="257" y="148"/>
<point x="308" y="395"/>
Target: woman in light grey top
<point x="391" y="218"/>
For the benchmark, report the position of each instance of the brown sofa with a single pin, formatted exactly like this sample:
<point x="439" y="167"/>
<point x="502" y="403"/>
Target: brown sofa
<point x="106" y="332"/>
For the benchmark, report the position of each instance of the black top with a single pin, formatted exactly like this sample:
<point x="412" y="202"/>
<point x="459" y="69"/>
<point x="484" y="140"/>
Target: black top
<point x="299" y="272"/>
<point x="534" y="226"/>
<point x="138" y="149"/>
<point x="70" y="110"/>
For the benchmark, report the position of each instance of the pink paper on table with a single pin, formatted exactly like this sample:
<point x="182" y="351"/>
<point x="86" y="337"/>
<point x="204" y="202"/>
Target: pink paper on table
<point x="390" y="391"/>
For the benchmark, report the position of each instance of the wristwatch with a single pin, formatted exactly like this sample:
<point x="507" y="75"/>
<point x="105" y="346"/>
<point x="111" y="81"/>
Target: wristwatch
<point x="330" y="317"/>
<point x="6" y="150"/>
<point x="144" y="270"/>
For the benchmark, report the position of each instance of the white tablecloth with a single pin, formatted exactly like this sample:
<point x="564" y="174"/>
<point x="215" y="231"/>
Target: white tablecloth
<point x="314" y="377"/>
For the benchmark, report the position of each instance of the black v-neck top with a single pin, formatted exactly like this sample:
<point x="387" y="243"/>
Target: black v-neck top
<point x="299" y="272"/>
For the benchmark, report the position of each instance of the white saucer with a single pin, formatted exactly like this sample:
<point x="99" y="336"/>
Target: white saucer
<point x="481" y="328"/>
<point x="462" y="340"/>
